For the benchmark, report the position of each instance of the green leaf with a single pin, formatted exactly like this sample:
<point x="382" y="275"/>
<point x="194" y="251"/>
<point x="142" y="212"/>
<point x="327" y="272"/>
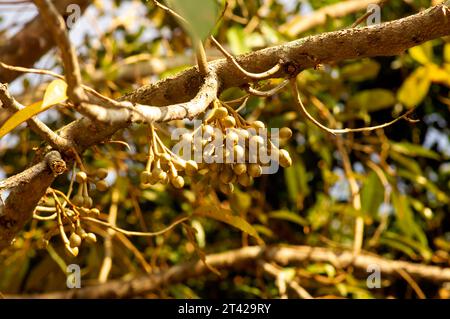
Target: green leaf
<point x="423" y="250"/>
<point x="54" y="94"/>
<point x="415" y="88"/>
<point x="372" y="100"/>
<point x="399" y="246"/>
<point x="360" y="71"/>
<point x="200" y="14"/>
<point x="288" y="216"/>
<point x="372" y="194"/>
<point x="405" y="219"/>
<point x="226" y="216"/>
<point x="414" y="150"/>
<point x="406" y="162"/>
<point x="237" y="40"/>
<point x="296" y="178"/>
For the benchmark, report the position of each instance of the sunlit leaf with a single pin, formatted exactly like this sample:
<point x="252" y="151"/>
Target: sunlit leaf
<point x="414" y="150"/>
<point x="422" y="249"/>
<point x="54" y="94"/>
<point x="226" y="216"/>
<point x="200" y="14"/>
<point x="288" y="216"/>
<point x="405" y="219"/>
<point x="422" y="53"/>
<point x="372" y="194"/>
<point x="415" y="88"/>
<point x="438" y="74"/>
<point x="360" y="71"/>
<point x="372" y="100"/>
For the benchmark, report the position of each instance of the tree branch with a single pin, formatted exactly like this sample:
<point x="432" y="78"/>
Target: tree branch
<point x="385" y="39"/>
<point x="26" y="194"/>
<point x="379" y="40"/>
<point x="244" y="258"/>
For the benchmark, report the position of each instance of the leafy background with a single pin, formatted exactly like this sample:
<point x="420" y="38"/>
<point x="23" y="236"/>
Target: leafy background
<point x="403" y="171"/>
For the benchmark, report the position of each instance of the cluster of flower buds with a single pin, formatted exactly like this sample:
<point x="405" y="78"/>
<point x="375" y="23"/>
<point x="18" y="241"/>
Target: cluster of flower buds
<point x="76" y="238"/>
<point x="236" y="151"/>
<point x="165" y="167"/>
<point x="226" y="149"/>
<point x="82" y="198"/>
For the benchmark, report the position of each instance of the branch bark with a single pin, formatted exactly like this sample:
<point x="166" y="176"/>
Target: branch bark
<point x="244" y="258"/>
<point x="386" y="39"/>
<point x="31" y="43"/>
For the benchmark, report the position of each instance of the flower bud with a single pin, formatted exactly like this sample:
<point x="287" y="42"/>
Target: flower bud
<point x="226" y="175"/>
<point x="254" y="170"/>
<point x="220" y="113"/>
<point x="285" y="133"/>
<point x="81" y="177"/>
<point x="226" y="188"/>
<point x="101" y="173"/>
<point x="145" y="177"/>
<point x="285" y="159"/>
<point x="244" y="179"/>
<point x="102" y="186"/>
<point x="229" y="121"/>
<point x="75" y="240"/>
<point x="258" y="125"/>
<point x="178" y="182"/>
<point x="240" y="168"/>
<point x="78" y="200"/>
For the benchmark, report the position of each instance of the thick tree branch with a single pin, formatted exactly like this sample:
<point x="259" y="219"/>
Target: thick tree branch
<point x="57" y="27"/>
<point x="386" y="39"/>
<point x="245" y="258"/>
<point x="31" y="43"/>
<point x="379" y="40"/>
<point x="26" y="194"/>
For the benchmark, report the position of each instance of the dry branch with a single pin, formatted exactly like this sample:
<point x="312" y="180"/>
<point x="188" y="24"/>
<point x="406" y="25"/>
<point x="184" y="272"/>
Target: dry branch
<point x="248" y="257"/>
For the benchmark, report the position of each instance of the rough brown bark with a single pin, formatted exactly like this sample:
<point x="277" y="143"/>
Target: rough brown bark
<point x="246" y="257"/>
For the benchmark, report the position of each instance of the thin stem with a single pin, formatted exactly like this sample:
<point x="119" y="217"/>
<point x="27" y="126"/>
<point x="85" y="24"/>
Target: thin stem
<point x="135" y="233"/>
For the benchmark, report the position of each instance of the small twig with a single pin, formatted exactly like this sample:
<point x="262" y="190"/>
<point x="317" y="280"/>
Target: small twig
<point x="202" y="61"/>
<point x="255" y="76"/>
<point x="112" y="217"/>
<point x="305" y="112"/>
<point x="135" y="233"/>
<point x="410" y="280"/>
<point x="57" y="27"/>
<point x="170" y="11"/>
<point x="268" y="93"/>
